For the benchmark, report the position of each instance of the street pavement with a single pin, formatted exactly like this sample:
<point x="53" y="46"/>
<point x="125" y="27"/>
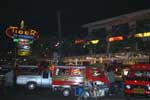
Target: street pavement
<point x="46" y="94"/>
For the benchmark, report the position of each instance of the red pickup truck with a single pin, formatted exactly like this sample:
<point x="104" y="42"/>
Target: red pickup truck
<point x="137" y="82"/>
<point x="66" y="78"/>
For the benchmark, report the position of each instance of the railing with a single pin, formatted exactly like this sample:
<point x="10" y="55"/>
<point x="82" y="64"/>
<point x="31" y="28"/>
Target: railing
<point x="103" y="58"/>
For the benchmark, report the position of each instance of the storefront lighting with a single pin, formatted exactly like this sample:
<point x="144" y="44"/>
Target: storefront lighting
<point x="140" y="35"/>
<point x="78" y="41"/>
<point x="115" y="38"/>
<point x="94" y="41"/>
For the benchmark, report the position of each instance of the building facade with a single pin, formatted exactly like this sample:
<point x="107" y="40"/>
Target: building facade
<point x="126" y="25"/>
<point x="130" y="49"/>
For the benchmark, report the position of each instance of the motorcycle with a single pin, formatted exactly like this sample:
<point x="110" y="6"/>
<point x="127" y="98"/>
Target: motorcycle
<point x="97" y="90"/>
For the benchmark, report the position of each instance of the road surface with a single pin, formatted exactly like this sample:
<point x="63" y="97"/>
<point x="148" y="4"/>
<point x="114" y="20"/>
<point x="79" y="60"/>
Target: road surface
<point x="46" y="94"/>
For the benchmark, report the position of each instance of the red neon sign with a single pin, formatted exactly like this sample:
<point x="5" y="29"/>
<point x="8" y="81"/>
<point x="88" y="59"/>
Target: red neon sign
<point x="78" y="41"/>
<point x="116" y="38"/>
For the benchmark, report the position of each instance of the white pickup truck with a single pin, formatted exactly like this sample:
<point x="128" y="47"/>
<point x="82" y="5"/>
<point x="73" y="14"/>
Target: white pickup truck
<point x="33" y="81"/>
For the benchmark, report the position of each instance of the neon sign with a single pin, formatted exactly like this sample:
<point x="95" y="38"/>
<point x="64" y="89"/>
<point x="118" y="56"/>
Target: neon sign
<point x="23" y="52"/>
<point x="94" y="41"/>
<point x="115" y="38"/>
<point x="141" y="35"/>
<point x="13" y="32"/>
<point x="78" y="41"/>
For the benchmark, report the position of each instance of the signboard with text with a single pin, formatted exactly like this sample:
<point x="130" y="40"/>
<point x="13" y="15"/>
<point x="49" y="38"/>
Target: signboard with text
<point x="23" y="38"/>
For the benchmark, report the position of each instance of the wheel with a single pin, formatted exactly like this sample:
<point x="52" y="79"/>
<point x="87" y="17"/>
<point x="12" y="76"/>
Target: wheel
<point x="66" y="92"/>
<point x="31" y="86"/>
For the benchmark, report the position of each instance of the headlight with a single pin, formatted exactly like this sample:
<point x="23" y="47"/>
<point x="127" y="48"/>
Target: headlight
<point x="128" y="86"/>
<point x="148" y="87"/>
<point x="98" y="83"/>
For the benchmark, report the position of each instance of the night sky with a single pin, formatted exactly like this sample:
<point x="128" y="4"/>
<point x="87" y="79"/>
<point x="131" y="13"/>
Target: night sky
<point x="42" y="14"/>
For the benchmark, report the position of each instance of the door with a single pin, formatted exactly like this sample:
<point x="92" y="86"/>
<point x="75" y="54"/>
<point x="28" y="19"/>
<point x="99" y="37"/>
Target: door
<point x="46" y="79"/>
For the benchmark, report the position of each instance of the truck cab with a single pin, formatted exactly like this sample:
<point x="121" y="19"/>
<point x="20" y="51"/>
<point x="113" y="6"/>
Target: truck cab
<point x="33" y="79"/>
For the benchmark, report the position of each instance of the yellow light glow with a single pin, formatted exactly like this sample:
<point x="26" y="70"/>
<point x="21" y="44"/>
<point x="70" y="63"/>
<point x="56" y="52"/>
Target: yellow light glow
<point x="94" y="41"/>
<point x="111" y="39"/>
<point x="23" y="53"/>
<point x="147" y="34"/>
<point x="22" y="24"/>
<point x="140" y="35"/>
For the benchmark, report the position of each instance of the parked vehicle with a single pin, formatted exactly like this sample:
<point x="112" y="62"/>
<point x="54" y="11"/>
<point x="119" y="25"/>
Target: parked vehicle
<point x="137" y="82"/>
<point x="67" y="78"/>
<point x="31" y="81"/>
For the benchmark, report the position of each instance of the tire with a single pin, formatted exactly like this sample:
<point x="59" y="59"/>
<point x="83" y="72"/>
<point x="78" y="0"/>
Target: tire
<point x="31" y="86"/>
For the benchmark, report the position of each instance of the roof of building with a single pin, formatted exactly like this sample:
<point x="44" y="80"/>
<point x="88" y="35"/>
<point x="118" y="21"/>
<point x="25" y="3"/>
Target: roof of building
<point x="120" y="19"/>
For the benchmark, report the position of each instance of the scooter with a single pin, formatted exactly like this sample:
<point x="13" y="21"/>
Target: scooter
<point x="98" y="90"/>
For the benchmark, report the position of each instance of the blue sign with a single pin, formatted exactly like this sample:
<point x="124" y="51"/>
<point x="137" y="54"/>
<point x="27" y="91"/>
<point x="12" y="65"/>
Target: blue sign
<point x="23" y="36"/>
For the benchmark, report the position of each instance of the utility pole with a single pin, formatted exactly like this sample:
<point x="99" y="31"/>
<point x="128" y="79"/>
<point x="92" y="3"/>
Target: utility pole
<point x="59" y="35"/>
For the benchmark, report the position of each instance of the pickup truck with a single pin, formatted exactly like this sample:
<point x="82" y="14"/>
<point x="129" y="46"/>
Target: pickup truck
<point x="34" y="81"/>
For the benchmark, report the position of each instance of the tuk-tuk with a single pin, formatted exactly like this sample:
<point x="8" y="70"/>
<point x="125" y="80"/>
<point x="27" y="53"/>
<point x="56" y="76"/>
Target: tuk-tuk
<point x="67" y="78"/>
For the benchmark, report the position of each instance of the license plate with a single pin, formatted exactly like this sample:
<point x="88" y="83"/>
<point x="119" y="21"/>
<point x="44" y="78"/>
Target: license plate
<point x="139" y="91"/>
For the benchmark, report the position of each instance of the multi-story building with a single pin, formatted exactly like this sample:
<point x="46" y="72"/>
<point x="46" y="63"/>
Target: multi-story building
<point x="130" y="46"/>
<point x="124" y="25"/>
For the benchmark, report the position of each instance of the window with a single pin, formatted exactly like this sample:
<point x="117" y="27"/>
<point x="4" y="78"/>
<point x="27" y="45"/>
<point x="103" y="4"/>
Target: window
<point x="27" y="71"/>
<point x="138" y="73"/>
<point x="62" y="72"/>
<point x="147" y="74"/>
<point x="45" y="74"/>
<point x="99" y="33"/>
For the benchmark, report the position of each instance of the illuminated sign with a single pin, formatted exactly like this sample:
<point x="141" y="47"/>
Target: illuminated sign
<point x="22" y="52"/>
<point x="115" y="38"/>
<point x="23" y="41"/>
<point x="78" y="41"/>
<point x="23" y="47"/>
<point x="94" y="41"/>
<point x="23" y="36"/>
<point x="141" y="35"/>
<point x="13" y="32"/>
